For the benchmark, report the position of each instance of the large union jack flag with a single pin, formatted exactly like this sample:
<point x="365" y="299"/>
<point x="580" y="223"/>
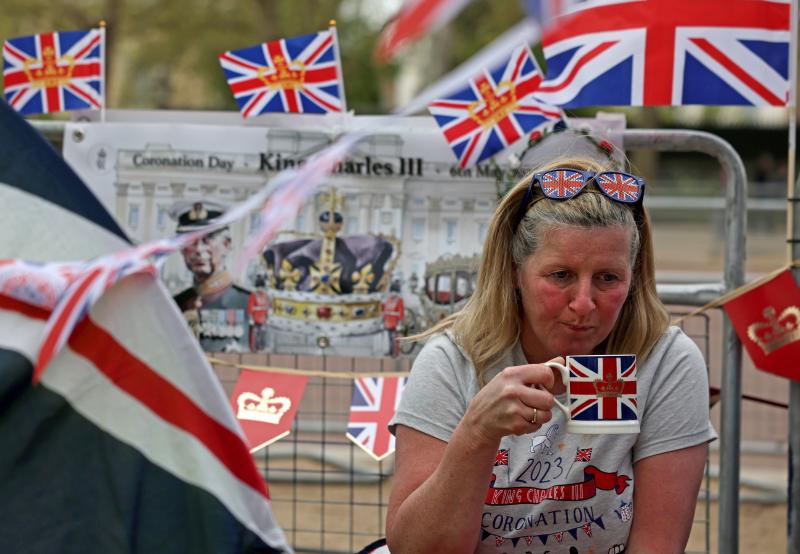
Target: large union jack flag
<point x="495" y="110"/>
<point x="375" y="400"/>
<point x="669" y="52"/>
<point x="54" y="72"/>
<point x="295" y="75"/>
<point x="602" y="388"/>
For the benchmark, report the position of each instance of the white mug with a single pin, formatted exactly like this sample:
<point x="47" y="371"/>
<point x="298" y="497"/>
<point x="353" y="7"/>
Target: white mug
<point x="601" y="393"/>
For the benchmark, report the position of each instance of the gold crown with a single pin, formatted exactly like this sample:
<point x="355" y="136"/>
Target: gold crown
<point x="283" y="76"/>
<point x="340" y="286"/>
<point x="493" y="105"/>
<point x="777" y="331"/>
<point x="52" y="72"/>
<point x="264" y="408"/>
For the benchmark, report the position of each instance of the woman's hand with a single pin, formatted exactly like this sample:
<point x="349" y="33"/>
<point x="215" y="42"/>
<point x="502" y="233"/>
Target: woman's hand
<point x="514" y="402"/>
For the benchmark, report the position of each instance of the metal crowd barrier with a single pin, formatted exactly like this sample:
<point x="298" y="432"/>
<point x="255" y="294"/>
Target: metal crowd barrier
<point x="734" y="255"/>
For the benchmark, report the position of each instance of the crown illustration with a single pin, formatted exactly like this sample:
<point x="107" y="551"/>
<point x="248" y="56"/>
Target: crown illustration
<point x="336" y="283"/>
<point x="777" y="331"/>
<point x="52" y="72"/>
<point x="264" y="408"/>
<point x="609" y="388"/>
<point x="494" y="104"/>
<point x="283" y="75"/>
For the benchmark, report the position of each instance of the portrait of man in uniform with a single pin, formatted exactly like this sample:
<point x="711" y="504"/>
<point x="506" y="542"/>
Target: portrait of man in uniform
<point x="220" y="303"/>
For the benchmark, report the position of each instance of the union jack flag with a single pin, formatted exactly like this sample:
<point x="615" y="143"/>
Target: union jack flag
<point x="583" y="455"/>
<point x="293" y="75"/>
<point x="495" y="110"/>
<point x="54" y="72"/>
<point x="501" y="458"/>
<point x="375" y="400"/>
<point x="669" y="52"/>
<point x="602" y="388"/>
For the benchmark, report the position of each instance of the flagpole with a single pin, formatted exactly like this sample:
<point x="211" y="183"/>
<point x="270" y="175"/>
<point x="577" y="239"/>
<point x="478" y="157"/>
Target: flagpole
<point x="793" y="241"/>
<point x="335" y="36"/>
<point x="103" y="95"/>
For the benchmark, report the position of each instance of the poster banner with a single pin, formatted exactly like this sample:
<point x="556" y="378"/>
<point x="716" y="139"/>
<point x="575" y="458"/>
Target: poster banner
<point x="398" y="218"/>
<point x="265" y="404"/>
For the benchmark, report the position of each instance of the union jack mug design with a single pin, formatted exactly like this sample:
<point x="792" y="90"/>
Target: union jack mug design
<point x="601" y="393"/>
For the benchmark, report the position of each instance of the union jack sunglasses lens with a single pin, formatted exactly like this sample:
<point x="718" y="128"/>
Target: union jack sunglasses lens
<point x="563" y="184"/>
<point x="619" y="186"/>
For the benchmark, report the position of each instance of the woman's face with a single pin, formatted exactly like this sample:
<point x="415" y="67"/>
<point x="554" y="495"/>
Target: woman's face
<point x="573" y="288"/>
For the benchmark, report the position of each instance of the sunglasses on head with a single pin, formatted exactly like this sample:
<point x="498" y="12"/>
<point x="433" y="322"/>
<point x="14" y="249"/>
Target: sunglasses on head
<point x="564" y="184"/>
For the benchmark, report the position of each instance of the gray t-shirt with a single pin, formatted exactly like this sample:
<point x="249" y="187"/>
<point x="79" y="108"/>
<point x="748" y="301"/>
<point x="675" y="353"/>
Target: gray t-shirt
<point x="552" y="490"/>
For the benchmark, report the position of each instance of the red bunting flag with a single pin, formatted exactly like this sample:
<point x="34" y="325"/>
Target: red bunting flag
<point x="767" y="320"/>
<point x="265" y="404"/>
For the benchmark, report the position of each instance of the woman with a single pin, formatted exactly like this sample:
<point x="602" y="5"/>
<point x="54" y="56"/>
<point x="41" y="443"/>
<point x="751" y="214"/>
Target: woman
<point x="558" y="277"/>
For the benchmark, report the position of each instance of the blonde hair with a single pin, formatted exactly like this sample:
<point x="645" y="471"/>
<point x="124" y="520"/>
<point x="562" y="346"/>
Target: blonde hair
<point x="490" y="322"/>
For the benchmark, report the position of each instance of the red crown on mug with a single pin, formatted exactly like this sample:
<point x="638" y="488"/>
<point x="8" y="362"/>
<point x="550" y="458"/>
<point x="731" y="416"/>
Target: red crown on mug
<point x="609" y="387"/>
<point x="778" y="330"/>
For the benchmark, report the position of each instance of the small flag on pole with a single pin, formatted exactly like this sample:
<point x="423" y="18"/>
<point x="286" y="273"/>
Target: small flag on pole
<point x="294" y="75"/>
<point x="54" y="72"/>
<point x="494" y="110"/>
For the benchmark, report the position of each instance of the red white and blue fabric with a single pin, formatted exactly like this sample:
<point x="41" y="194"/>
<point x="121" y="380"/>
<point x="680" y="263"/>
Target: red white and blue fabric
<point x="416" y="19"/>
<point x="289" y="190"/>
<point x="583" y="455"/>
<point x="129" y="406"/>
<point x="293" y="75"/>
<point x="669" y="52"/>
<point x="375" y="400"/>
<point x="494" y="110"/>
<point x="501" y="458"/>
<point x="588" y="373"/>
<point x="54" y="72"/>
<point x="86" y="287"/>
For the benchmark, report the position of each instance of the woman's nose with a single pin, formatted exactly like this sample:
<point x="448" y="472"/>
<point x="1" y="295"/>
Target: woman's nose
<point x="582" y="302"/>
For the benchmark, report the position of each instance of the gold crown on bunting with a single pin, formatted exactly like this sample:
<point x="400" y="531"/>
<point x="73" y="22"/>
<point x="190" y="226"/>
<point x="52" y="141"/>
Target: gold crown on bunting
<point x="266" y="408"/>
<point x="778" y="330"/>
